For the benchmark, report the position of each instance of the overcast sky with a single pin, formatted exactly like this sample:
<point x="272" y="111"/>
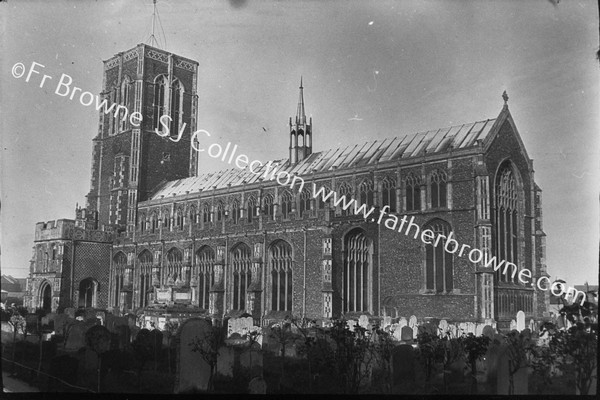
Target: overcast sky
<point x="372" y="69"/>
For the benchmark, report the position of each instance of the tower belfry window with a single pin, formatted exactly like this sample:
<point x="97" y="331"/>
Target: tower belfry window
<point x="160" y="85"/>
<point x="122" y="119"/>
<point x="176" y="107"/>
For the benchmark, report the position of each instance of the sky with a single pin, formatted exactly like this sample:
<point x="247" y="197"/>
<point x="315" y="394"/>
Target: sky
<point x="371" y="70"/>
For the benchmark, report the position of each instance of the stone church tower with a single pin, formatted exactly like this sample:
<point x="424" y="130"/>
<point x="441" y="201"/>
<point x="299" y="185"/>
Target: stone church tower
<point x="131" y="157"/>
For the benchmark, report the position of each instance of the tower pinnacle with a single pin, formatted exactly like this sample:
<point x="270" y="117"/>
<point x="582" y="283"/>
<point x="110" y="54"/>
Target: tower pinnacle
<point x="300" y="114"/>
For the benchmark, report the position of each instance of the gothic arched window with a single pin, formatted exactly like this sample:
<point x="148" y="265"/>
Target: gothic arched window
<point x="220" y="211"/>
<point x="413" y="193"/>
<point x="125" y="102"/>
<point x="366" y="192"/>
<point x="305" y="198"/>
<point x="241" y="263"/>
<point x="268" y="206"/>
<point x="388" y="194"/>
<point x="143" y="222"/>
<point x="358" y="254"/>
<point x="438" y="189"/>
<point x="281" y="265"/>
<point x="205" y="260"/>
<point x="179" y="218"/>
<point x="346" y="191"/>
<point x="174" y="265"/>
<point x="506" y="221"/>
<point x="160" y="87"/>
<point x="320" y="202"/>
<point x="235" y="211"/>
<point x="205" y="213"/>
<point x="154" y="222"/>
<point x="88" y="289"/>
<point x="120" y="271"/>
<point x="439" y="263"/>
<point x="145" y="259"/>
<point x="250" y="208"/>
<point x="176" y="107"/>
<point x="193" y="214"/>
<point x="166" y="219"/>
<point x="286" y="204"/>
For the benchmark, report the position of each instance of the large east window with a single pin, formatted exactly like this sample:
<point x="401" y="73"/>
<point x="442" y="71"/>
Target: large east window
<point x="280" y="264"/>
<point x="506" y="221"/>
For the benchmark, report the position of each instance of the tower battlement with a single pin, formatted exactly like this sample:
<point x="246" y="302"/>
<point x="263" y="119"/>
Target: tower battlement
<point x="53" y="230"/>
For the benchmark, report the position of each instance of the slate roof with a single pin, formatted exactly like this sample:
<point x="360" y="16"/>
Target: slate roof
<point x="383" y="150"/>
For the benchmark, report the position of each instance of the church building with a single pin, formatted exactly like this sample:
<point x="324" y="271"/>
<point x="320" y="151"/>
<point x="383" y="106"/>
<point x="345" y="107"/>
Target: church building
<point x="158" y="237"/>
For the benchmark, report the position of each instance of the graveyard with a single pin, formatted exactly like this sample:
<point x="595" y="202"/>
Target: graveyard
<point x="89" y="350"/>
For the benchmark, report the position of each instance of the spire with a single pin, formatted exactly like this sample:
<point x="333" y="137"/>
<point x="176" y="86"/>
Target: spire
<point x="300" y="115"/>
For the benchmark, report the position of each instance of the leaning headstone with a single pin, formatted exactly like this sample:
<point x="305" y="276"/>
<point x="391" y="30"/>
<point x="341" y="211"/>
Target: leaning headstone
<point x="403" y="363"/>
<point x="520" y="321"/>
<point x="193" y="372"/>
<point x="488" y="331"/>
<point x="513" y="325"/>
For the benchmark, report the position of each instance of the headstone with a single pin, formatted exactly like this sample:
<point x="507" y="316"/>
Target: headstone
<point x="403" y="364"/>
<point x="407" y="334"/>
<point x="454" y="330"/>
<point x="443" y="327"/>
<point x="462" y="328"/>
<point x="252" y="359"/>
<point x="402" y="323"/>
<point x="60" y="322"/>
<point x="363" y="321"/>
<point x="257" y="386"/>
<point x="412" y="322"/>
<point x="101" y="315"/>
<point x="240" y="326"/>
<point x="396" y="331"/>
<point x="387" y="321"/>
<point x="471" y="327"/>
<point x="520" y="321"/>
<point x="193" y="372"/>
<point x="124" y="334"/>
<point x="513" y="325"/>
<point x="226" y="361"/>
<point x="532" y="325"/>
<point x="479" y="329"/>
<point x="76" y="336"/>
<point x="351" y="324"/>
<point x="488" y="331"/>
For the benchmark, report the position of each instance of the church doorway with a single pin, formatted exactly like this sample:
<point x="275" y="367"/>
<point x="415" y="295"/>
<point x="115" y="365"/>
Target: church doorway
<point x="87" y="293"/>
<point x="46" y="297"/>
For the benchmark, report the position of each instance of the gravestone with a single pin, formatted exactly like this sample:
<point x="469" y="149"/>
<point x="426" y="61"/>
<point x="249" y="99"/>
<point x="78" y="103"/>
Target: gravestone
<point x="403" y="364"/>
<point x="402" y="322"/>
<point x="101" y="315"/>
<point x="226" y="361"/>
<point x="257" y="386"/>
<point x="412" y="322"/>
<point x="520" y="321"/>
<point x="239" y="325"/>
<point x="513" y="325"/>
<point x="462" y="328"/>
<point x="488" y="331"/>
<point x="252" y="359"/>
<point x="193" y="372"/>
<point x="124" y="335"/>
<point x="532" y="327"/>
<point x="76" y="336"/>
<point x="471" y="327"/>
<point x="443" y="327"/>
<point x="396" y="331"/>
<point x="387" y="321"/>
<point x="351" y="324"/>
<point x="60" y="323"/>
<point x="363" y="321"/>
<point x="453" y="330"/>
<point x="479" y="329"/>
<point x="407" y="334"/>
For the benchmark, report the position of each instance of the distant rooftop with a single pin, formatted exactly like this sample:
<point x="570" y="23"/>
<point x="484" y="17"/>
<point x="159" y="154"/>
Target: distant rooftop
<point x="375" y="151"/>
